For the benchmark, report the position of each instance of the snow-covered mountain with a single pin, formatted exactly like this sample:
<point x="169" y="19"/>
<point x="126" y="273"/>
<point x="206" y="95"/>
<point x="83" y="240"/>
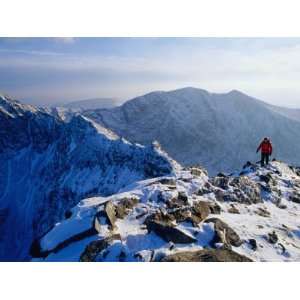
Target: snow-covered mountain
<point x="253" y="215"/>
<point x="217" y="131"/>
<point x="49" y="163"/>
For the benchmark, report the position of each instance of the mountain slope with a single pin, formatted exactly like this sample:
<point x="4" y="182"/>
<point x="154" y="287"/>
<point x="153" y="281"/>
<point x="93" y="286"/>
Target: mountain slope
<point x="48" y="165"/>
<point x="218" y="131"/>
<point x="249" y="216"/>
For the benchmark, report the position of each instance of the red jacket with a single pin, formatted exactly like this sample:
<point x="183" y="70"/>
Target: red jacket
<point x="265" y="147"/>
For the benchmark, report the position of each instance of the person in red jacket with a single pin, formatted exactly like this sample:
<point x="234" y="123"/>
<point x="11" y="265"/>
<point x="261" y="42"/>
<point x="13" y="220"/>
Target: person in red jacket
<point x="266" y="150"/>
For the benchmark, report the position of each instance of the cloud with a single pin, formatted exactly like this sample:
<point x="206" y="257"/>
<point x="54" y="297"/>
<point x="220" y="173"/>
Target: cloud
<point x="65" y="40"/>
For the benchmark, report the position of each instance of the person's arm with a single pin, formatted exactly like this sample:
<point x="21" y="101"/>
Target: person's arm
<point x="259" y="147"/>
<point x="271" y="149"/>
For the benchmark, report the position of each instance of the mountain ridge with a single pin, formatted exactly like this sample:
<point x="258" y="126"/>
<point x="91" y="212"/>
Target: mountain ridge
<point x="192" y="125"/>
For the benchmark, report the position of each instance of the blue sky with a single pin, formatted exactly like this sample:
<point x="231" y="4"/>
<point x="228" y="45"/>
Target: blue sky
<point x="51" y="70"/>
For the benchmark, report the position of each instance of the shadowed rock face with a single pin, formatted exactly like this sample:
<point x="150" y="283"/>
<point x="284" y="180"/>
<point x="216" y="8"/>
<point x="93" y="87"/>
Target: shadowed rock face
<point x="207" y="255"/>
<point x="47" y="165"/>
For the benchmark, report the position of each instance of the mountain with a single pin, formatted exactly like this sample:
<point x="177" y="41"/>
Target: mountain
<point x="94" y="103"/>
<point x="217" y="131"/>
<point x="252" y="215"/>
<point x="48" y="164"/>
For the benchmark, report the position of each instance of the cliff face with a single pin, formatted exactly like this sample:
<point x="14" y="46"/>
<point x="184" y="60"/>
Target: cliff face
<point x="48" y="164"/>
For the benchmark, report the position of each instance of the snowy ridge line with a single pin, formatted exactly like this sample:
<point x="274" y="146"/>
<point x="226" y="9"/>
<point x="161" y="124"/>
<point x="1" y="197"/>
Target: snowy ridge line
<point x="51" y="163"/>
<point x="248" y="216"/>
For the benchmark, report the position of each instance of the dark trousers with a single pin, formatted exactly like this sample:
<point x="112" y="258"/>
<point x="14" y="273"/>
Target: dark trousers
<point x="264" y="159"/>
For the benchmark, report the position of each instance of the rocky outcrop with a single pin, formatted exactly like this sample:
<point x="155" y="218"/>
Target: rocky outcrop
<point x="96" y="247"/>
<point x="170" y="233"/>
<point x="224" y="234"/>
<point x="207" y="255"/>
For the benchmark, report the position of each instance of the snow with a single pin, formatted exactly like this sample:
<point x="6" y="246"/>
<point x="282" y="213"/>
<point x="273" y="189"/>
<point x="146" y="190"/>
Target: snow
<point x="217" y="131"/>
<point x="137" y="244"/>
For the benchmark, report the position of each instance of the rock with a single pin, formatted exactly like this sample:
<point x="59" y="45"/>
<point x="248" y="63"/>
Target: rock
<point x="295" y="197"/>
<point x="201" y="209"/>
<point x="233" y="209"/>
<point x="161" y="217"/>
<point x="94" y="248"/>
<point x="196" y="171"/>
<point x="263" y="212"/>
<point x="68" y="214"/>
<point x="168" y="181"/>
<point x="247" y="190"/>
<point x="221" y="174"/>
<point x="221" y="181"/>
<point x="272" y="237"/>
<point x="253" y="244"/>
<point x="110" y="213"/>
<point x="207" y="255"/>
<point x="224" y="234"/>
<point x="249" y="164"/>
<point x="124" y="206"/>
<point x="170" y="233"/>
<point x="182" y="196"/>
<point x="266" y="178"/>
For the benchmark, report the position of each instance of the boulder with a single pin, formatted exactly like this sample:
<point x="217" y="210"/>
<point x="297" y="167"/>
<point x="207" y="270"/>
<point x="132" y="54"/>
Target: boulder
<point x="295" y="197"/>
<point x="224" y="234"/>
<point x="196" y="171"/>
<point x="233" y="209"/>
<point x="168" y="181"/>
<point x="201" y="209"/>
<point x="123" y="207"/>
<point x="221" y="181"/>
<point x="94" y="248"/>
<point x="253" y="244"/>
<point x="110" y="213"/>
<point x="263" y="212"/>
<point x="272" y="237"/>
<point x="247" y="190"/>
<point x="207" y="255"/>
<point x="170" y="233"/>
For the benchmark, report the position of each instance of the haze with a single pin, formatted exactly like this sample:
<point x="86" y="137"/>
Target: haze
<point x="45" y="71"/>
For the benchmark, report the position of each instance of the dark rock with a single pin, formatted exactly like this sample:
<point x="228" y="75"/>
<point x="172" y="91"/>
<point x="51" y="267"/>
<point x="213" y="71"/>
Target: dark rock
<point x="169" y="233"/>
<point x="272" y="237"/>
<point x="249" y="164"/>
<point x="233" y="209"/>
<point x="224" y="234"/>
<point x="183" y="197"/>
<point x="68" y="214"/>
<point x="94" y="248"/>
<point x="207" y="255"/>
<point x="168" y="181"/>
<point x="221" y="182"/>
<point x="221" y="174"/>
<point x="253" y="244"/>
<point x="263" y="212"/>
<point x="295" y="197"/>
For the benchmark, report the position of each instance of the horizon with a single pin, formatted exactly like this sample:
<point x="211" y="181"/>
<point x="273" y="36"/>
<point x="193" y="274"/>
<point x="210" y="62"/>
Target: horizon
<point x="46" y="71"/>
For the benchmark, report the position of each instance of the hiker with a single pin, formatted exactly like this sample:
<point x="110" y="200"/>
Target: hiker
<point x="266" y="150"/>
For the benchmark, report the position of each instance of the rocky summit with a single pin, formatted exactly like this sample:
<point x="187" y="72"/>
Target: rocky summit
<point x="248" y="216"/>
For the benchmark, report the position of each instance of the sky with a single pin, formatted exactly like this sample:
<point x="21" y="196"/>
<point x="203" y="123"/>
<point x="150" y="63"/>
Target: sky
<point x="46" y="71"/>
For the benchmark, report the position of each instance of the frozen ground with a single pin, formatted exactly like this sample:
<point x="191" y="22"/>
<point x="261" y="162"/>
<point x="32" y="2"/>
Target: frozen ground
<point x="260" y="205"/>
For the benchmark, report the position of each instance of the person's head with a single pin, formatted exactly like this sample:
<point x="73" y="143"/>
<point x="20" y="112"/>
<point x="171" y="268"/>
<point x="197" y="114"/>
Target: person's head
<point x="266" y="139"/>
